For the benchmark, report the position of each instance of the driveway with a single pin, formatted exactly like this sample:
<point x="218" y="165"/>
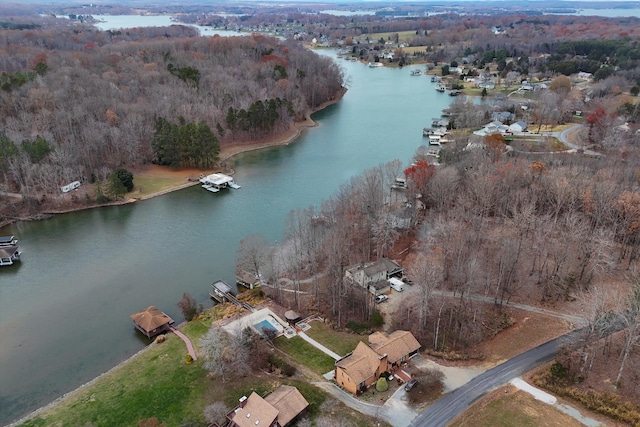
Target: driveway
<point x="395" y="410"/>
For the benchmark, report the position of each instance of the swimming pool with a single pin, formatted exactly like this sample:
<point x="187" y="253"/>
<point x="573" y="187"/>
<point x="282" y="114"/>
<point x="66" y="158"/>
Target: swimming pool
<point x="267" y="326"/>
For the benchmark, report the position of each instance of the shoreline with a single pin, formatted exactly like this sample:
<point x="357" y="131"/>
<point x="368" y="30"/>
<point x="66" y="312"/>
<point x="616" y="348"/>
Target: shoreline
<point x="290" y="136"/>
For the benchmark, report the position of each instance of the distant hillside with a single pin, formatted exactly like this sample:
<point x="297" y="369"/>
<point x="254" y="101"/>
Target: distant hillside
<point x="76" y="102"/>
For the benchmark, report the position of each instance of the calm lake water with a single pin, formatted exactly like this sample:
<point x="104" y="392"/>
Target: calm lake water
<point x="64" y="310"/>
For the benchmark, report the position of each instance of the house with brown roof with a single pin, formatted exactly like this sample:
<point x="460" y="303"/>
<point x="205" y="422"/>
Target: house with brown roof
<point x="361" y="368"/>
<point x="279" y="408"/>
<point x="151" y="321"/>
<point x="398" y="346"/>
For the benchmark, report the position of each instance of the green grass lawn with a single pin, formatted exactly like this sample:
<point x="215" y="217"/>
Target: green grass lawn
<point x="143" y="186"/>
<point x="157" y="384"/>
<point x="340" y="342"/>
<point x="305" y="354"/>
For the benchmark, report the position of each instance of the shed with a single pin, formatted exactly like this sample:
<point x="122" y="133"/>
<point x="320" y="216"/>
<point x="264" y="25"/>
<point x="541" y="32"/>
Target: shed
<point x="151" y="321"/>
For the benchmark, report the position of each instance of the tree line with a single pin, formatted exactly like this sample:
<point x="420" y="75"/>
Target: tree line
<point x="98" y="100"/>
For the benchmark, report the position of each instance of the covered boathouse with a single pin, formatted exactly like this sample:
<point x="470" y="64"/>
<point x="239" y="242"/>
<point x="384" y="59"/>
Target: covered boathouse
<point x="151" y="321"/>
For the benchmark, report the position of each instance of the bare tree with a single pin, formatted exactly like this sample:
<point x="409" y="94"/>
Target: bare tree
<point x="216" y="413"/>
<point x="426" y="274"/>
<point x="252" y="254"/>
<point x="630" y="317"/>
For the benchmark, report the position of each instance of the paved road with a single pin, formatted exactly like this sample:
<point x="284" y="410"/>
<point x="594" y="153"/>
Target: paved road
<point x="445" y="409"/>
<point x="564" y="138"/>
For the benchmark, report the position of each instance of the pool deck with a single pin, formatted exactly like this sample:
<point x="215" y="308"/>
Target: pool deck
<point x="251" y="319"/>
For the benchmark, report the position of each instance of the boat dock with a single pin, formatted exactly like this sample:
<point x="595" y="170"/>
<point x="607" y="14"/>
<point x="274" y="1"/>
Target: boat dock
<point x="9" y="250"/>
<point x="221" y="292"/>
<point x="218" y="181"/>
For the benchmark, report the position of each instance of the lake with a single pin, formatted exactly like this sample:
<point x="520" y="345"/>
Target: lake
<point x="64" y="309"/>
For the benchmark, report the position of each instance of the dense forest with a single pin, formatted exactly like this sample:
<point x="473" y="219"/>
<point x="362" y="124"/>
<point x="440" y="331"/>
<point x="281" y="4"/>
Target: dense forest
<point x="77" y="102"/>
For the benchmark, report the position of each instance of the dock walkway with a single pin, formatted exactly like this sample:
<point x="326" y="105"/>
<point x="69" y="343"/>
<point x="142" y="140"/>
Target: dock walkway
<point x="186" y="340"/>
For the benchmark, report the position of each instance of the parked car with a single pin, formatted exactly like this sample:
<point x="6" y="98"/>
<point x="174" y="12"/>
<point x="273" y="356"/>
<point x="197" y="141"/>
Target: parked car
<point x="411" y="384"/>
<point x="381" y="298"/>
<point x="407" y="281"/>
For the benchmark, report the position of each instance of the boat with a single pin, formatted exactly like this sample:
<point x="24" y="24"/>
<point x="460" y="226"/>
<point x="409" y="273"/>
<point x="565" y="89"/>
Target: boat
<point x="8" y="241"/>
<point x="434" y="140"/>
<point x="437" y="131"/>
<point x="454" y="92"/>
<point x="441" y="87"/>
<point x="218" y="181"/>
<point x="416" y="73"/>
<point x="9" y="250"/>
<point x="375" y="64"/>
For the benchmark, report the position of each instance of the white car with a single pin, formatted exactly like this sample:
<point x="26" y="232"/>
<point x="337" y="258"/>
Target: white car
<point x="381" y="298"/>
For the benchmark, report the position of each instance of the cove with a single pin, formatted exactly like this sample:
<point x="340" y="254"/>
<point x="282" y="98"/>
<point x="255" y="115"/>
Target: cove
<point x="64" y="310"/>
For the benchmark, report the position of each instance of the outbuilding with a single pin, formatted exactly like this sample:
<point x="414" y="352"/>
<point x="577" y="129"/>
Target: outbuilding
<point x="151" y="321"/>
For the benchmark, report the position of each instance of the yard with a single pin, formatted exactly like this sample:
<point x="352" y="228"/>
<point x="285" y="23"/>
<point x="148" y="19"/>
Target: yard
<point x="342" y="343"/>
<point x="305" y="354"/>
<point x="507" y="407"/>
<point x="157" y="384"/>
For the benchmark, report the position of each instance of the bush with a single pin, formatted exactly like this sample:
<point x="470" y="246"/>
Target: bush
<point x="376" y="319"/>
<point x="558" y="371"/>
<point x="382" y="384"/>
<point x="358" y="328"/>
<point x="285" y="368"/>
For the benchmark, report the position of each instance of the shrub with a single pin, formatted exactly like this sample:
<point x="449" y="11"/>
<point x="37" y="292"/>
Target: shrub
<point x="285" y="368"/>
<point x="358" y="328"/>
<point x="382" y="384"/>
<point x="376" y="319"/>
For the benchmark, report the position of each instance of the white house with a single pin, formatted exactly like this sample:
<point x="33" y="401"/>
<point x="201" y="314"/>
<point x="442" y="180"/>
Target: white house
<point x="518" y="127"/>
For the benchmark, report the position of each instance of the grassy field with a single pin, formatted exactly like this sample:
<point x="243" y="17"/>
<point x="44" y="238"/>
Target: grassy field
<point x="144" y="185"/>
<point x="403" y="36"/>
<point x="305" y="354"/>
<point x="339" y="342"/>
<point x="411" y="50"/>
<point x="158" y="383"/>
<point x="513" y="408"/>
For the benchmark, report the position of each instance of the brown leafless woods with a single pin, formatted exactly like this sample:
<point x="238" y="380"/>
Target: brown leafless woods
<point x="545" y="232"/>
<point x="92" y="97"/>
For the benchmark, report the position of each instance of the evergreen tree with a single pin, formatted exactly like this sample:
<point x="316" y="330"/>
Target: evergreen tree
<point x="125" y="177"/>
<point x="37" y="149"/>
